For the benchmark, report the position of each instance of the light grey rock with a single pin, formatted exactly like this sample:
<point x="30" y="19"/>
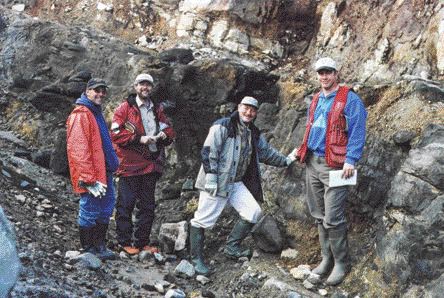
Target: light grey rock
<point x="289" y="253"/>
<point x="323" y="292"/>
<point x="185" y="268"/>
<point x="292" y="294"/>
<point x="159" y="287"/>
<point x="427" y="164"/>
<point x="308" y="285"/>
<point x="88" y="260"/>
<point x="236" y="41"/>
<point x="301" y="272"/>
<point x="218" y="32"/>
<point x="314" y="279"/>
<point x="405" y="191"/>
<point x="202" y="279"/>
<point x="20" y="198"/>
<point x="72" y="254"/>
<point x="173" y="236"/>
<point x="440" y="43"/>
<point x="144" y="255"/>
<point x="10" y="137"/>
<point x="277" y="284"/>
<point x="175" y="293"/>
<point x="9" y="262"/>
<point x="18" y="7"/>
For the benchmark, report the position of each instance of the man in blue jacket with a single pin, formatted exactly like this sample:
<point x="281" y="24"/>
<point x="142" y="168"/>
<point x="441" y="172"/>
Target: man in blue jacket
<point x="230" y="174"/>
<point x="334" y="140"/>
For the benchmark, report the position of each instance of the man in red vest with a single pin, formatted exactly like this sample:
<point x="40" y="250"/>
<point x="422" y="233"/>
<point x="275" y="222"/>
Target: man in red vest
<point x="334" y="139"/>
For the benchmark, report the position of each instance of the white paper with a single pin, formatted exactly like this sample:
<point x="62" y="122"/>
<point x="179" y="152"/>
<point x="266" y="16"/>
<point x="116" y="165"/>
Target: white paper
<point x="335" y="179"/>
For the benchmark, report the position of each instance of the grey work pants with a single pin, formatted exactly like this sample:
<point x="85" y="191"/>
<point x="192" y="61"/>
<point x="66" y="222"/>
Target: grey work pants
<point x="326" y="204"/>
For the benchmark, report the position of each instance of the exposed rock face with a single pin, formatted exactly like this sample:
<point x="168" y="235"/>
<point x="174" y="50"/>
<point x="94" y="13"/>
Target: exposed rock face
<point x="391" y="50"/>
<point x="414" y="212"/>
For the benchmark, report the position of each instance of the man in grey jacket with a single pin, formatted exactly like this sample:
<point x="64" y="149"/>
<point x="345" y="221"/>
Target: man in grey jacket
<point x="230" y="174"/>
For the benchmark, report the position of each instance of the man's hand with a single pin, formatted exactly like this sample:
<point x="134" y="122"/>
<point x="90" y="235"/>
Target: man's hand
<point x="292" y="156"/>
<point x="146" y="140"/>
<point x="348" y="170"/>
<point x="98" y="190"/>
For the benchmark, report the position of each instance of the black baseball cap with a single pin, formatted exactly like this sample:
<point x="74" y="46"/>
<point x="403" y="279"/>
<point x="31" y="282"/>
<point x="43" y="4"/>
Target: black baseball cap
<point x="96" y="83"/>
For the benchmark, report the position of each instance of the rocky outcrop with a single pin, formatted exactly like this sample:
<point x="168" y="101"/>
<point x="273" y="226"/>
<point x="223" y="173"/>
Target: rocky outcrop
<point x="228" y="51"/>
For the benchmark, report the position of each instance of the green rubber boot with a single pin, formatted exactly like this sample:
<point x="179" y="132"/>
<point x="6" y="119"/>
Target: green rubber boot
<point x="232" y="248"/>
<point x="327" y="257"/>
<point x="339" y="248"/>
<point x="197" y="238"/>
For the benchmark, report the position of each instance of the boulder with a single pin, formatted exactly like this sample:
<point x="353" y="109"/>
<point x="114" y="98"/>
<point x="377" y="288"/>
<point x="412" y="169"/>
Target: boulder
<point x="9" y="262"/>
<point x="267" y="235"/>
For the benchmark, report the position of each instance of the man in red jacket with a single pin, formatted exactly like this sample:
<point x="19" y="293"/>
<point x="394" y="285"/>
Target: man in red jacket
<point x="92" y="161"/>
<point x="140" y="131"/>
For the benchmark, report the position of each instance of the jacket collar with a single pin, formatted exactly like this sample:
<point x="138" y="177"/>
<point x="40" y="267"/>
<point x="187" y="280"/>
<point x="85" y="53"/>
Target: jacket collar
<point x="235" y="120"/>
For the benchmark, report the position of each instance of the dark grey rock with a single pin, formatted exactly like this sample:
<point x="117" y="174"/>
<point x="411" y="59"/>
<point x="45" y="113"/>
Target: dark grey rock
<point x="267" y="235"/>
<point x="42" y="157"/>
<point x="59" y="157"/>
<point x="182" y="56"/>
<point x="208" y="294"/>
<point x="403" y="137"/>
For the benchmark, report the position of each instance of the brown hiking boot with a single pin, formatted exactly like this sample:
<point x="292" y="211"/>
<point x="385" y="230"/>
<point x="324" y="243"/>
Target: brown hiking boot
<point x="150" y="249"/>
<point x="131" y="250"/>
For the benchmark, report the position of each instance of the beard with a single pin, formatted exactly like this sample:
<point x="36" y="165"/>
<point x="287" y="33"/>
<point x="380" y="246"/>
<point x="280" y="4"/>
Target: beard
<point x="144" y="95"/>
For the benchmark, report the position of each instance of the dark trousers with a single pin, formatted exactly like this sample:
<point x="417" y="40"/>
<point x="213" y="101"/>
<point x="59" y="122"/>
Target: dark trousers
<point x="138" y="192"/>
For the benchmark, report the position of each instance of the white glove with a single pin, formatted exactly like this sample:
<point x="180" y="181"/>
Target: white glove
<point x="211" y="188"/>
<point x="292" y="156"/>
<point x="98" y="190"/>
<point x="211" y="184"/>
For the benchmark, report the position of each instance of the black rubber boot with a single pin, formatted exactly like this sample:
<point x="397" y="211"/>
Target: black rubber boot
<point x="327" y="257"/>
<point x="232" y="248"/>
<point x="102" y="252"/>
<point x="339" y="248"/>
<point x="197" y="238"/>
<point x="86" y="236"/>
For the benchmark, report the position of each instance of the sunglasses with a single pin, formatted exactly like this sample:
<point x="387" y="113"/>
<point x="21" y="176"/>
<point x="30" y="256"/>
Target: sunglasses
<point x="325" y="71"/>
<point x="100" y="90"/>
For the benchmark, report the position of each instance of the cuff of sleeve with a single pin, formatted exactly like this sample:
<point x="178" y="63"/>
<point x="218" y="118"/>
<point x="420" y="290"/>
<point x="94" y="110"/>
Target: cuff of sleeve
<point x="137" y="139"/>
<point x="350" y="161"/>
<point x="288" y="161"/>
<point x="211" y="178"/>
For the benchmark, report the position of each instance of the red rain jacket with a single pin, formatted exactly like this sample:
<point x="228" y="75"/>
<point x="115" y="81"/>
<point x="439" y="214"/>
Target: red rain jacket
<point x="84" y="147"/>
<point x="127" y="129"/>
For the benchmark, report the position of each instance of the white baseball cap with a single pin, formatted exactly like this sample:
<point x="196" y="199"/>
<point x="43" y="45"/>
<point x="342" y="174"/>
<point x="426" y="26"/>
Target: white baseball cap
<point x="248" y="100"/>
<point x="144" y="77"/>
<point x="325" y="63"/>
